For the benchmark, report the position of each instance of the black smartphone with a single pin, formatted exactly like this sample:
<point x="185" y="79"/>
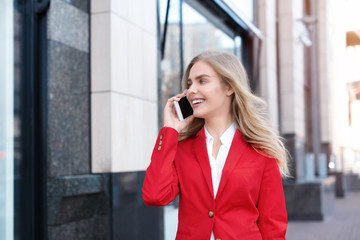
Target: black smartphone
<point x="183" y="108"/>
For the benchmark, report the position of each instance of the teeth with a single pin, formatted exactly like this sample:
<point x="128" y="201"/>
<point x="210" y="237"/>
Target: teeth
<point x="197" y="101"/>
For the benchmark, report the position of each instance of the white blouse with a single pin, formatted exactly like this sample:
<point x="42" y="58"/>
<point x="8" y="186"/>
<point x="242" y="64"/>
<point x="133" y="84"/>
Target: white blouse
<point x="217" y="164"/>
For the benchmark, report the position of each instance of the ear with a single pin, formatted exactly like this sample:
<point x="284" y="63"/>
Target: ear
<point x="229" y="90"/>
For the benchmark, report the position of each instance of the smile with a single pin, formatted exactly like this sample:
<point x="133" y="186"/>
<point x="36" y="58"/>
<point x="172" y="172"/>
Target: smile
<point x="196" y="101"/>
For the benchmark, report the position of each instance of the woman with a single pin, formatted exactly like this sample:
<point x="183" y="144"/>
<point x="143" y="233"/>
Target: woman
<point x="225" y="161"/>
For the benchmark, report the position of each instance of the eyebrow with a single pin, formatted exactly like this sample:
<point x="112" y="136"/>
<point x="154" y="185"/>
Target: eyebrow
<point x="200" y="76"/>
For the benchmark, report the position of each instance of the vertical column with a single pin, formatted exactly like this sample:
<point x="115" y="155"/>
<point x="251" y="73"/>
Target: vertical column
<point x="324" y="53"/>
<point x="311" y="20"/>
<point x="307" y="198"/>
<point x="124" y="109"/>
<point x="68" y="90"/>
<point x="291" y="74"/>
<point x="268" y="69"/>
<point x="339" y="91"/>
<point x="78" y="202"/>
<point x="123" y="84"/>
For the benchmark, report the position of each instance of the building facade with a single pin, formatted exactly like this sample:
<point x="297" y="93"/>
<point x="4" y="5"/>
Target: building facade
<point x="84" y="83"/>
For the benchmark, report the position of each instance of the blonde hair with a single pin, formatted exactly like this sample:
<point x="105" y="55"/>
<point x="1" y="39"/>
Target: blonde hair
<point x="248" y="110"/>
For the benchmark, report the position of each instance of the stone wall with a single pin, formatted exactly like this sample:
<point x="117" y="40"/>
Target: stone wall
<point x="78" y="202"/>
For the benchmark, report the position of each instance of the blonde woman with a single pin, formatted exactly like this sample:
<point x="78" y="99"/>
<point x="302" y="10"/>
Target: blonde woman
<point x="225" y="161"/>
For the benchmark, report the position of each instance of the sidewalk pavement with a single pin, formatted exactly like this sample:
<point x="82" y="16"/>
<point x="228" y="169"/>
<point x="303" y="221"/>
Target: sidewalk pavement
<point x="343" y="224"/>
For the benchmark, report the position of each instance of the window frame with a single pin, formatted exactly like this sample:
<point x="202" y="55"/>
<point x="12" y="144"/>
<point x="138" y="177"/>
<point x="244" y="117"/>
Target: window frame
<point x="30" y="189"/>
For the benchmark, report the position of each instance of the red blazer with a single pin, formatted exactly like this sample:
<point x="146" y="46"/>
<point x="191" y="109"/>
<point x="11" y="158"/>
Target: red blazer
<point x="250" y="201"/>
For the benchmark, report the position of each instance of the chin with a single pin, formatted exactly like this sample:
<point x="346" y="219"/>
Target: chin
<point x="198" y="115"/>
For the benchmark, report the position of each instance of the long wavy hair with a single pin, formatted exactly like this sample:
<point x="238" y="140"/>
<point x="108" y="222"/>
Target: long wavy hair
<point x="248" y="111"/>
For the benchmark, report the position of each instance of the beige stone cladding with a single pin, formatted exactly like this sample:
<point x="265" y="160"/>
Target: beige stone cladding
<point x="123" y="84"/>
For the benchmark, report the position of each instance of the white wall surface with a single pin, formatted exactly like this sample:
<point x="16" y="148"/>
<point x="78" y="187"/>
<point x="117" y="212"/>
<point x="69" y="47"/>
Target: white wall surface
<point x="123" y="84"/>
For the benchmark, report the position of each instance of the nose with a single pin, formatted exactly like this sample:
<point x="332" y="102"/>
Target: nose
<point x="192" y="89"/>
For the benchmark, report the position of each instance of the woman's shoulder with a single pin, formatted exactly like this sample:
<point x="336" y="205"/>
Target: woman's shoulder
<point x="259" y="158"/>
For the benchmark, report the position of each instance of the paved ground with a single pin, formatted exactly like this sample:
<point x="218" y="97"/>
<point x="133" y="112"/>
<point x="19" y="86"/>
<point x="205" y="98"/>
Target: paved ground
<point x="343" y="224"/>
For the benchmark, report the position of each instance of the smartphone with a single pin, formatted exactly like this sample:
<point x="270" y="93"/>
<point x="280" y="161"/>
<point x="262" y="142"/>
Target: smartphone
<point x="183" y="108"/>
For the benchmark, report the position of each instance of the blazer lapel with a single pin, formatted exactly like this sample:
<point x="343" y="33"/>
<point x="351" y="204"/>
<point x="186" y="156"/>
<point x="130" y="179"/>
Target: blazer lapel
<point x="237" y="149"/>
<point x="202" y="157"/>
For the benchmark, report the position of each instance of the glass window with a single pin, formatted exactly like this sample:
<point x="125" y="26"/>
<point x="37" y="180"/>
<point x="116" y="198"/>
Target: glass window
<point x="170" y="64"/>
<point x="6" y="122"/>
<point x="19" y="165"/>
<point x="12" y="177"/>
<point x="201" y="35"/>
<point x="185" y="38"/>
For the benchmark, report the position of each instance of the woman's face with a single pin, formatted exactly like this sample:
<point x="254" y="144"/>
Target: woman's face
<point x="208" y="94"/>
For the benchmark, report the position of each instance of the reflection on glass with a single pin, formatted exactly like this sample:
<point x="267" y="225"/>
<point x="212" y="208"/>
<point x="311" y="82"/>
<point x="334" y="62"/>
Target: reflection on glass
<point x="201" y="35"/>
<point x="170" y="65"/>
<point x="6" y="121"/>
<point x="238" y="47"/>
<point x="18" y="159"/>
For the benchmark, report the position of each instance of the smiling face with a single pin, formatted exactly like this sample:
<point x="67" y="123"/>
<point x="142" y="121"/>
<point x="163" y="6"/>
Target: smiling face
<point x="209" y="96"/>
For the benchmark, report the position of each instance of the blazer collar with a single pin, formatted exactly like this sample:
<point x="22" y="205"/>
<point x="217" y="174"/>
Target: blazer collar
<point x="236" y="151"/>
<point x="202" y="156"/>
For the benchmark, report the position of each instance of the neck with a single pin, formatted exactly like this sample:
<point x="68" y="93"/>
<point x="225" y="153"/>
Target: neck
<point x="216" y="126"/>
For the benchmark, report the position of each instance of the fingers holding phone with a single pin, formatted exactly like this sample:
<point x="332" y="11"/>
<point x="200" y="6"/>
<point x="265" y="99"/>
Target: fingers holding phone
<point x="183" y="108"/>
<point x="178" y="112"/>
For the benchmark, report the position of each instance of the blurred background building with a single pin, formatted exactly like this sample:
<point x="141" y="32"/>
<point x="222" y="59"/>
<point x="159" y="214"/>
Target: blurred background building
<point x="83" y="85"/>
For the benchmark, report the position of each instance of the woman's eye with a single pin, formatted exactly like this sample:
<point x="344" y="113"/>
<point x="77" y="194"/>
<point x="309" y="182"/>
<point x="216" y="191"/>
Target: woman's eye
<point x="202" y="81"/>
<point x="188" y="84"/>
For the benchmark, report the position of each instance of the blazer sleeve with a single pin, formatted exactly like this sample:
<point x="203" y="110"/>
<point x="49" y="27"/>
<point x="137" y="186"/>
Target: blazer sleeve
<point x="161" y="184"/>
<point x="272" y="220"/>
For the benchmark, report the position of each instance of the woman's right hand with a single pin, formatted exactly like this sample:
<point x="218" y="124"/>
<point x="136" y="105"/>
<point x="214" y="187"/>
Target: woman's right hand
<point x="170" y="117"/>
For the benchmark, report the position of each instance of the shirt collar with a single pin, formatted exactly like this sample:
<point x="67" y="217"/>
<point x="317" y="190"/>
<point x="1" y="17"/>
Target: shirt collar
<point x="226" y="138"/>
<point x="208" y="137"/>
